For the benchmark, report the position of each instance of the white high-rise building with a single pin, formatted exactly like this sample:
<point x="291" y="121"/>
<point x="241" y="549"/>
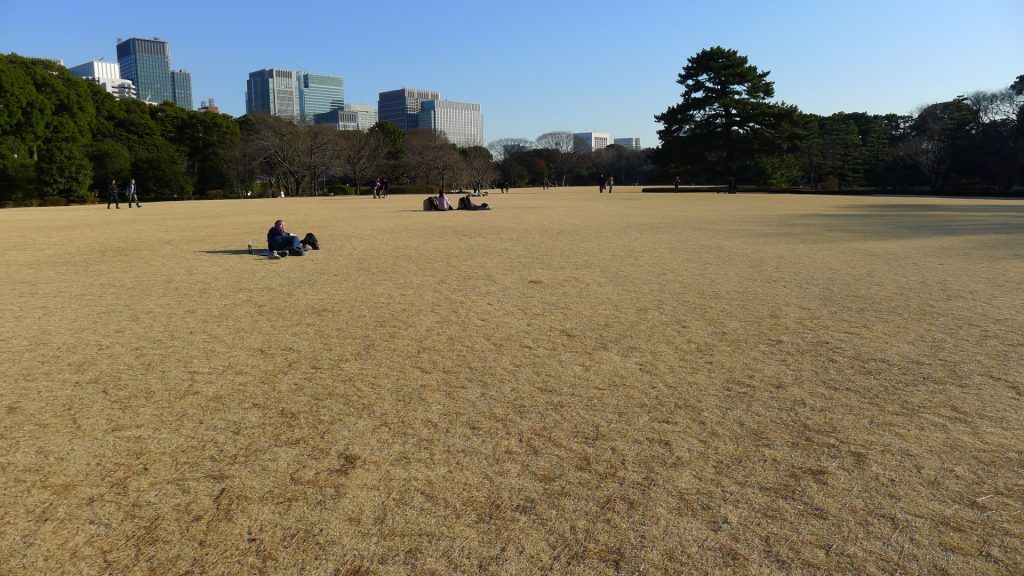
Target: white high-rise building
<point x="590" y="141"/>
<point x="107" y="75"/>
<point x="461" y="122"/>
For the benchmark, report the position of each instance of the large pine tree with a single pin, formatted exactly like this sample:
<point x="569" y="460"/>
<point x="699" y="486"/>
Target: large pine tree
<point x="725" y="120"/>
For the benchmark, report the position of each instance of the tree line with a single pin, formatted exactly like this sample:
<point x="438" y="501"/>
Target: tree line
<point x="62" y="140"/>
<point x="726" y="128"/>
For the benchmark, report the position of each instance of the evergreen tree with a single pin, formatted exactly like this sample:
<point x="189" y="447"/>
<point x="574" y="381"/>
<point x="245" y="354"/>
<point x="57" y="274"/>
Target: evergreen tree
<point x="726" y="118"/>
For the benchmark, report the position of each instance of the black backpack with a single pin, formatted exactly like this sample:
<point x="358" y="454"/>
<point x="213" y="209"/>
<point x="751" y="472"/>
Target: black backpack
<point x="311" y="241"/>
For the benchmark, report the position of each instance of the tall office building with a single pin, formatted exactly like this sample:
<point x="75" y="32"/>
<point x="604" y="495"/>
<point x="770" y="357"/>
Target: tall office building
<point x="107" y="75"/>
<point x="319" y="93"/>
<point x="273" y="91"/>
<point x="590" y="141"/>
<point x="147" y="63"/>
<point x="629" y="143"/>
<point x="461" y="122"/>
<point x="181" y="84"/>
<point x="402" y="107"/>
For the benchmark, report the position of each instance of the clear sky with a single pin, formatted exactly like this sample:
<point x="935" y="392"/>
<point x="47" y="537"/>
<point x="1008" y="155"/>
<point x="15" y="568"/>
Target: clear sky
<point x="536" y="66"/>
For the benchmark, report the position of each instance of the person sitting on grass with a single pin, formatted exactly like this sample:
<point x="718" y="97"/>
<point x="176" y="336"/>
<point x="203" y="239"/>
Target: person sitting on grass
<point x="466" y="203"/>
<point x="442" y="202"/>
<point x="281" y="243"/>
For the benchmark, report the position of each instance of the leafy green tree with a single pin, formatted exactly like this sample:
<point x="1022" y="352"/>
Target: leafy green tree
<point x="159" y="171"/>
<point x="110" y="161"/>
<point x="842" y="150"/>
<point x="942" y="144"/>
<point x="725" y="118"/>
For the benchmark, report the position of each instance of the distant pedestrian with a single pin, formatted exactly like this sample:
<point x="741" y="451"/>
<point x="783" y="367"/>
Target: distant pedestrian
<point x="600" y="183"/>
<point x="377" y="189"/>
<point x="676" y="183"/>
<point x="611" y="183"/>
<point x="112" y="195"/>
<point x="132" y="192"/>
<point x="385" y="187"/>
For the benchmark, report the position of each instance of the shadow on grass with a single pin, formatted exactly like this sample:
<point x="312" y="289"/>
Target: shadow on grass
<point x="918" y="221"/>
<point x="241" y="252"/>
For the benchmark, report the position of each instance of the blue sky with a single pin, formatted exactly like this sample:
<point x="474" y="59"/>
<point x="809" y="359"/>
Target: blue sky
<point x="537" y="66"/>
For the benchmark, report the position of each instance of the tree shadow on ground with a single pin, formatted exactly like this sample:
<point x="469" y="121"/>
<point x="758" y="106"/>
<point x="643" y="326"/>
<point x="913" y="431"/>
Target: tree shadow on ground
<point x="915" y="221"/>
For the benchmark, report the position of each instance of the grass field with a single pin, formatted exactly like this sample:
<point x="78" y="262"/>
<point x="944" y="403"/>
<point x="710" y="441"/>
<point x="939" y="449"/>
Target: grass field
<point x="571" y="383"/>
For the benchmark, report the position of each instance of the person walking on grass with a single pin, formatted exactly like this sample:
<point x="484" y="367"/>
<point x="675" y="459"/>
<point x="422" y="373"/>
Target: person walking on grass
<point x="131" y="192"/>
<point x="112" y="195"/>
<point x="600" y="183"/>
<point x="611" y="183"/>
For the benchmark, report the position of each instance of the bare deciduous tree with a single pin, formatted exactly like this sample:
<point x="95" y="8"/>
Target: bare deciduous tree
<point x="503" y="148"/>
<point x="565" y="157"/>
<point x="432" y="159"/>
<point x="359" y="154"/>
<point x="479" y="165"/>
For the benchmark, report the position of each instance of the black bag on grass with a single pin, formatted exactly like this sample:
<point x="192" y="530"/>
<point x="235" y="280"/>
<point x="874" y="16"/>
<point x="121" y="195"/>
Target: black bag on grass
<point x="311" y="241"/>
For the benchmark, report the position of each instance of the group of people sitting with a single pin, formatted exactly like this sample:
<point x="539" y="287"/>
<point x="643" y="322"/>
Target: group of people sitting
<point x="441" y="202"/>
<point x="281" y="243"/>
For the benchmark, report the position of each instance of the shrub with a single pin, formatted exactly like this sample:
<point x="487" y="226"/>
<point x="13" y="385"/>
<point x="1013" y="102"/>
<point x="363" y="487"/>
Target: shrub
<point x="53" y="201"/>
<point x="341" y="189"/>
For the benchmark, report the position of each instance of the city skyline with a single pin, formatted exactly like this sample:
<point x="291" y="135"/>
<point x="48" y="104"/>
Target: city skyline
<point x="530" y="74"/>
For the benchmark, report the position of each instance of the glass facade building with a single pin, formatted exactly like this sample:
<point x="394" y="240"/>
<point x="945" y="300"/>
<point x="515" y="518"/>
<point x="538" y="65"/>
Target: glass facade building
<point x="147" y="63"/>
<point x="461" y="122"/>
<point x="273" y="91"/>
<point x="319" y="93"/>
<point x="367" y="115"/>
<point x="181" y="83"/>
<point x="402" y="107"/>
<point x="629" y="143"/>
<point x="352" y="117"/>
<point x="590" y="141"/>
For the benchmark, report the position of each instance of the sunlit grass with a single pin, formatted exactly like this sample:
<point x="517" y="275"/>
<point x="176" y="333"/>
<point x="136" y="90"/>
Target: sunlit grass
<point x="571" y="383"/>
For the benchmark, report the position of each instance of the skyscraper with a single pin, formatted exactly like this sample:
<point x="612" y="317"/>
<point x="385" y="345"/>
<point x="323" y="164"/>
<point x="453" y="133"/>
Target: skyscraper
<point x="461" y="122"/>
<point x="402" y="107"/>
<point x="147" y="63"/>
<point x="181" y="84"/>
<point x="273" y="91"/>
<point x="319" y="93"/>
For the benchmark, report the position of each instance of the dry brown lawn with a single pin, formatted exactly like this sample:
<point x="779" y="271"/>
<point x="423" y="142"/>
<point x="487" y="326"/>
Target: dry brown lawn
<point x="571" y="383"/>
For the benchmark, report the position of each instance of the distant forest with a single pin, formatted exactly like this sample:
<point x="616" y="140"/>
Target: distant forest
<point x="63" y="140"/>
